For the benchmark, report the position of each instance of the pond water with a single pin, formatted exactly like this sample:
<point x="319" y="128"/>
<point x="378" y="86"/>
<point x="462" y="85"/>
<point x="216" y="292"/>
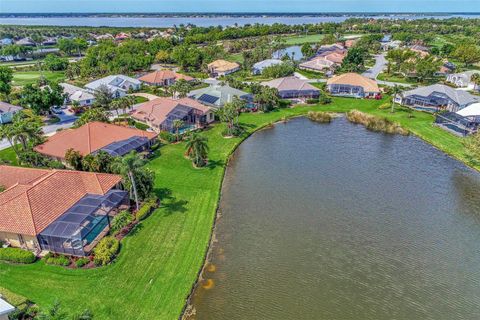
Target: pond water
<point x="336" y="222"/>
<point x="293" y="52"/>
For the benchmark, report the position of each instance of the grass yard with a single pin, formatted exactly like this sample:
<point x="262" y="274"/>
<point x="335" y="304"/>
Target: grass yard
<point x="159" y="262"/>
<point x="21" y="78"/>
<point x="301" y="39"/>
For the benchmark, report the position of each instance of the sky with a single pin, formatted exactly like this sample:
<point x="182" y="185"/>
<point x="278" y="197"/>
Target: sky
<point x="156" y="6"/>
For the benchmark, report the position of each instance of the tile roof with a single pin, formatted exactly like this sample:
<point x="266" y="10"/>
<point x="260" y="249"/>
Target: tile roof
<point x="354" y="79"/>
<point x="459" y="96"/>
<point x="156" y="111"/>
<point x="160" y="76"/>
<point x="223" y="65"/>
<point x="289" y="84"/>
<point x="39" y="198"/>
<point x="88" y="138"/>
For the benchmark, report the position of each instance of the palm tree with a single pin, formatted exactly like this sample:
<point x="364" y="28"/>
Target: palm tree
<point x="127" y="166"/>
<point x="197" y="149"/>
<point x="115" y="105"/>
<point x="177" y="124"/>
<point x="7" y="132"/>
<point x="395" y="92"/>
<point x="26" y="130"/>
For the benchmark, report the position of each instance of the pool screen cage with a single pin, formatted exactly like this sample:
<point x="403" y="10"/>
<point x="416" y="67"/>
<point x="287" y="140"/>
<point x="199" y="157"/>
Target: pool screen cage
<point x="121" y="148"/>
<point x="77" y="230"/>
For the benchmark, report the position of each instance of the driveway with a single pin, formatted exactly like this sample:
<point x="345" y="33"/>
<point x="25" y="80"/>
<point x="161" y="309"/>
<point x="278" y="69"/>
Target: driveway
<point x="380" y="65"/>
<point x="148" y="96"/>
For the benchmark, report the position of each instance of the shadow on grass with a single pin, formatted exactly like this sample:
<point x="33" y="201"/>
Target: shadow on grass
<point x="212" y="164"/>
<point x="169" y="203"/>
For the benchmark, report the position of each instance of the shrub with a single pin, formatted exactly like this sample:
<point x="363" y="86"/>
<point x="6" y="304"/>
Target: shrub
<point x="283" y="103"/>
<point x="105" y="251"/>
<point x="312" y="101"/>
<point x="16" y="255"/>
<point x="120" y="221"/>
<point x="324" y="99"/>
<point x="320" y="116"/>
<point x="82" y="262"/>
<point x="59" y="260"/>
<point x="376" y="124"/>
<point x="148" y="206"/>
<point x="167" y="136"/>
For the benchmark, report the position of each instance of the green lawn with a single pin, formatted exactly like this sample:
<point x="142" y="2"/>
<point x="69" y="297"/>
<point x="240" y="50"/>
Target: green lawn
<point x="8" y="156"/>
<point x="310" y="38"/>
<point x="159" y="262"/>
<point x="21" y="78"/>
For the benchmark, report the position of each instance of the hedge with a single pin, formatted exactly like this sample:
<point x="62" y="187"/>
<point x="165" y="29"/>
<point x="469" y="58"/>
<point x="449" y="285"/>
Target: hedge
<point x="82" y="262"/>
<point x="17" y="255"/>
<point x="148" y="206"/>
<point x="106" y="250"/>
<point x="59" y="260"/>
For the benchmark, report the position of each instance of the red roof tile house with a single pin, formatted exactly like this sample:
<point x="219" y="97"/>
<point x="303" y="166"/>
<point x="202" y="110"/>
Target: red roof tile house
<point x="57" y="210"/>
<point x="160" y="114"/>
<point x="163" y="78"/>
<point x="95" y="136"/>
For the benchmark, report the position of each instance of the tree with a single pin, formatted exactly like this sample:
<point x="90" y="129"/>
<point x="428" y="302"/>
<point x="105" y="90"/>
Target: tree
<point x="355" y="60"/>
<point x="162" y="56"/>
<point x="228" y="114"/>
<point x="92" y="114"/>
<point x="396" y="90"/>
<point x="475" y="78"/>
<point x="74" y="159"/>
<point x="467" y="53"/>
<point x="197" y="149"/>
<point x="128" y="166"/>
<point x="266" y="99"/>
<point x="328" y="39"/>
<point x="42" y="99"/>
<point x="73" y="71"/>
<point x="188" y="57"/>
<point x="426" y="68"/>
<point x="177" y="124"/>
<point x="279" y="70"/>
<point x="103" y="97"/>
<point x="307" y="50"/>
<point x="6" y="76"/>
<point x="55" y="63"/>
<point x="7" y="132"/>
<point x="180" y="88"/>
<point x="26" y="130"/>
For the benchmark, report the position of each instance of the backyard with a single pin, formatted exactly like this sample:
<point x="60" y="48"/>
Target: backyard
<point x="160" y="260"/>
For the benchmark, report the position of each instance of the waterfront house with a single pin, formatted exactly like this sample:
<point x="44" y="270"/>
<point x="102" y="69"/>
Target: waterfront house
<point x="220" y="68"/>
<point x="160" y="114"/>
<point x="163" y="78"/>
<point x="293" y="88"/>
<point x="7" y="111"/>
<point x="216" y="96"/>
<point x="353" y="85"/>
<point x="77" y="94"/>
<point x="94" y="137"/>
<point x="464" y="79"/>
<point x="61" y="211"/>
<point x="118" y="84"/>
<point x="333" y="48"/>
<point x="259" y="66"/>
<point x="436" y="97"/>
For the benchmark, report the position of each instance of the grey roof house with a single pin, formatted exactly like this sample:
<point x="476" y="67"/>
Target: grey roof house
<point x="436" y="97"/>
<point x="463" y="79"/>
<point x="293" y="88"/>
<point x="259" y="66"/>
<point x="118" y="84"/>
<point x="216" y="95"/>
<point x="7" y="111"/>
<point x="74" y="93"/>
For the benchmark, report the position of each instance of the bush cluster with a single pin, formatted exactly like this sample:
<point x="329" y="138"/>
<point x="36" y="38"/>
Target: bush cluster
<point x="320" y="116"/>
<point x="376" y="124"/>
<point x="57" y="260"/>
<point x="16" y="255"/>
<point x="82" y="262"/>
<point x="148" y="206"/>
<point x="166" y="136"/>
<point x="120" y="221"/>
<point x="105" y="251"/>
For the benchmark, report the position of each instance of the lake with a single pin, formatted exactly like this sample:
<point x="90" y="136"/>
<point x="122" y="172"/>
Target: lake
<point x="331" y="221"/>
<point x="293" y="52"/>
<point x="201" y="21"/>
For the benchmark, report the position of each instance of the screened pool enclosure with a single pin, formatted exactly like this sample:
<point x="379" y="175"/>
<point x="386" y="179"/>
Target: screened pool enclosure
<point x="78" y="230"/>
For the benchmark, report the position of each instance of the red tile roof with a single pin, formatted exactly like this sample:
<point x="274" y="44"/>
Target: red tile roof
<point x="159" y="76"/>
<point x="88" y="138"/>
<point x="39" y="197"/>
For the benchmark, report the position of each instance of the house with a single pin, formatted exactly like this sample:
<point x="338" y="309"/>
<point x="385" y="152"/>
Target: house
<point x="6" y="42"/>
<point x="5" y="309"/>
<point x="353" y="85"/>
<point x="26" y="42"/>
<point x="77" y="94"/>
<point x="61" y="211"/>
<point x="259" y="66"/>
<point x="391" y="45"/>
<point x="464" y="79"/>
<point x="163" y="78"/>
<point x="293" y="88"/>
<point x="122" y="36"/>
<point x="325" y="62"/>
<point x="106" y="36"/>
<point x="220" y="68"/>
<point x="216" y="96"/>
<point x="327" y="49"/>
<point x="94" y="137"/>
<point x="436" y="97"/>
<point x="386" y="38"/>
<point x="7" y="111"/>
<point x="118" y="84"/>
<point x="161" y="113"/>
<point x="51" y="41"/>
<point x="421" y="50"/>
<point x="463" y="122"/>
<point x="350" y="43"/>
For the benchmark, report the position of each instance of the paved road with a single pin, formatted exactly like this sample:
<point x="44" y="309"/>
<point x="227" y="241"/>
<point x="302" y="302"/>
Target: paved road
<point x="380" y="65"/>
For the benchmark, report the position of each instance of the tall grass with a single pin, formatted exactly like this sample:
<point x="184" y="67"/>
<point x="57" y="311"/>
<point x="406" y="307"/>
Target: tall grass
<point x="321" y="116"/>
<point x="375" y="123"/>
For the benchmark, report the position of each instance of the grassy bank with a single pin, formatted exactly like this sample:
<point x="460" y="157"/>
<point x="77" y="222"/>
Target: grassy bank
<point x="159" y="262"/>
